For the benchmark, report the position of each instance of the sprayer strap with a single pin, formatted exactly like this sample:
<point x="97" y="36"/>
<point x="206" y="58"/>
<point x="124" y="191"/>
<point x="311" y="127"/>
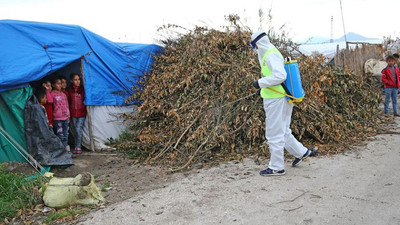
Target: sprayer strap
<point x="287" y="91"/>
<point x="287" y="95"/>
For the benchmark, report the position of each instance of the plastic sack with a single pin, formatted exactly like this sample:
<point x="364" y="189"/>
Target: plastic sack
<point x="65" y="192"/>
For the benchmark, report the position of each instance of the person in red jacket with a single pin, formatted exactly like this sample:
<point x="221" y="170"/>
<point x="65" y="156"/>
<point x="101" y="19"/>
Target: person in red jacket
<point x="76" y="95"/>
<point x="391" y="81"/>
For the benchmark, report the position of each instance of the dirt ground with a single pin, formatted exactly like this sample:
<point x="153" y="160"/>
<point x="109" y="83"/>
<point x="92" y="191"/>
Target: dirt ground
<point x="123" y="178"/>
<point x="117" y="176"/>
<point x="361" y="186"/>
<point x="358" y="187"/>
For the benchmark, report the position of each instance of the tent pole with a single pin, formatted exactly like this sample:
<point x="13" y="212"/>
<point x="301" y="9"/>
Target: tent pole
<point x="24" y="153"/>
<point x="90" y="128"/>
<point x="89" y="117"/>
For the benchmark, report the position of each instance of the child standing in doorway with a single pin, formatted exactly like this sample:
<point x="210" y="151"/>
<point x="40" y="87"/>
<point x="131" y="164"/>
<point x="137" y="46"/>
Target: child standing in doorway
<point x="76" y="95"/>
<point x="60" y="113"/>
<point x="49" y="104"/>
<point x="391" y="80"/>
<point x="42" y="96"/>
<point x="63" y="83"/>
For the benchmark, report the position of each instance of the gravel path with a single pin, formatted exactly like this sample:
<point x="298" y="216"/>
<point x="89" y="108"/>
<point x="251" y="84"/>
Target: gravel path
<point x="359" y="187"/>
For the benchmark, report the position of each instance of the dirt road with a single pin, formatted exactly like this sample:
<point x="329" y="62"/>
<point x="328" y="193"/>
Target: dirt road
<point x="359" y="187"/>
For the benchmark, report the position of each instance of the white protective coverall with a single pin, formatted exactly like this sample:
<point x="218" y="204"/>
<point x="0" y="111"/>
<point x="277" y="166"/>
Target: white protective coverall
<point x="278" y="111"/>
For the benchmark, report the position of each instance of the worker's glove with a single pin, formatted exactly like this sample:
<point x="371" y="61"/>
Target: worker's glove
<point x="256" y="85"/>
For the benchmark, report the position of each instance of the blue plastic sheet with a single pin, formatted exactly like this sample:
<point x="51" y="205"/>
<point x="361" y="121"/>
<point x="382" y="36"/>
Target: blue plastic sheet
<point x="33" y="50"/>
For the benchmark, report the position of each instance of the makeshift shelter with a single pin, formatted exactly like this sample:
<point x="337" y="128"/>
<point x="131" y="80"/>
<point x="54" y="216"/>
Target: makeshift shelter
<point x="30" y="51"/>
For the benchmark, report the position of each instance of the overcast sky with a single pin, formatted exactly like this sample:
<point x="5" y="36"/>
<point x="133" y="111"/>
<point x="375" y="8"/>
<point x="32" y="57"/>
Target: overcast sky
<point x="137" y="21"/>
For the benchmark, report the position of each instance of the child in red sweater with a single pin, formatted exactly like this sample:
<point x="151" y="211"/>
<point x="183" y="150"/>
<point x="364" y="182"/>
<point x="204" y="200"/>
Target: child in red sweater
<point x="76" y="95"/>
<point x="49" y="103"/>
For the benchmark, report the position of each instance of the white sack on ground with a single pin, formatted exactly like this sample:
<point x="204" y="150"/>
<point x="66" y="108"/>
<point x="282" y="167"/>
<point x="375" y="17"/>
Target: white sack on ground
<point x="79" y="190"/>
<point x="105" y="125"/>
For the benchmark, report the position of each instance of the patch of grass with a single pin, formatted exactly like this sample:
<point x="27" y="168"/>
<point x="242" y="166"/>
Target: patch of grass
<point x="120" y="144"/>
<point x="123" y="136"/>
<point x="52" y="217"/>
<point x="133" y="153"/>
<point x="17" y="192"/>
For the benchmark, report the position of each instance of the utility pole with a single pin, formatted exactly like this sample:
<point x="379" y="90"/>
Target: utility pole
<point x="344" y="30"/>
<point x="345" y="38"/>
<point x="331" y="29"/>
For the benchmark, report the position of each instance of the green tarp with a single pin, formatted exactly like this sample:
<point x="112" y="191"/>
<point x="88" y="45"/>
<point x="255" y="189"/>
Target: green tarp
<point x="12" y="104"/>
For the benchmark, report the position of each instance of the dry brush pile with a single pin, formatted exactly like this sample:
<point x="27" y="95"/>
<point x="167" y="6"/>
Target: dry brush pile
<point x="199" y="105"/>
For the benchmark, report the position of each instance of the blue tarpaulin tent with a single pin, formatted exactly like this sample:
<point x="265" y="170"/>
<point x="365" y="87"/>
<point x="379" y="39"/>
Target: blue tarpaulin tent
<point x="30" y="51"/>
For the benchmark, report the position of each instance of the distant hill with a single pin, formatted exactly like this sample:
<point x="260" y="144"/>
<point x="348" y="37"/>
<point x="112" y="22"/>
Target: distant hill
<point x="350" y="37"/>
<point x="315" y="40"/>
<point x="354" y="37"/>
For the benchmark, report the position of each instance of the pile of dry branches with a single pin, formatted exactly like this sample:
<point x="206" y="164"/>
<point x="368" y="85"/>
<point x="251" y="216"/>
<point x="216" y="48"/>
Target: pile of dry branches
<point x="199" y="104"/>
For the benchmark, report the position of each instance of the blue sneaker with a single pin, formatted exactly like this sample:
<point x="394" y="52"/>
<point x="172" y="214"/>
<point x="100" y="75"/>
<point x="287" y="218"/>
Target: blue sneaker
<point x="271" y="172"/>
<point x="309" y="152"/>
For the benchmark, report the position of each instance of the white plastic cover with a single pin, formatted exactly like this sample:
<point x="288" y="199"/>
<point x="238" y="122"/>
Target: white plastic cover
<point x="329" y="49"/>
<point x="374" y="66"/>
<point x="105" y="124"/>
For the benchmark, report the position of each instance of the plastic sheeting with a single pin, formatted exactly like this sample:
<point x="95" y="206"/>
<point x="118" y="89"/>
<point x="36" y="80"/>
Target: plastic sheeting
<point x="105" y="124"/>
<point x="41" y="142"/>
<point x="12" y="105"/>
<point x="32" y="50"/>
<point x="328" y="49"/>
<point x="374" y="66"/>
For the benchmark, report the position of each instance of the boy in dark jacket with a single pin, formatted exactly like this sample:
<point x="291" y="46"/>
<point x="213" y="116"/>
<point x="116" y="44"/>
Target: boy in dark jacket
<point x="76" y="95"/>
<point x="396" y="60"/>
<point x="391" y="80"/>
<point x="42" y="95"/>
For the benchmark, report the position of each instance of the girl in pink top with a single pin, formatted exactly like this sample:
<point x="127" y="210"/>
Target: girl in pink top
<point x="60" y="113"/>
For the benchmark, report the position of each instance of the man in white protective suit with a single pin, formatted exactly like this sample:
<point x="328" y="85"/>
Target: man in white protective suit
<point x="278" y="110"/>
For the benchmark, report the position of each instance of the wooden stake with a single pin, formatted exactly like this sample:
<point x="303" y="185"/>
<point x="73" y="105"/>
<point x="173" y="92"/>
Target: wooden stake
<point x="89" y="117"/>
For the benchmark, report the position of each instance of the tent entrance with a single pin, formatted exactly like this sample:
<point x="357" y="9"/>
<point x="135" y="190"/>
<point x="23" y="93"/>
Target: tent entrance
<point x="75" y="67"/>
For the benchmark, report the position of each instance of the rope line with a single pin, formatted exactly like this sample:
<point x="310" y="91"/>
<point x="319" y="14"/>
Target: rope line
<point x="22" y="151"/>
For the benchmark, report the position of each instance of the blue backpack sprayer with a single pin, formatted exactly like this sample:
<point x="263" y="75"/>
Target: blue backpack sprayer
<point x="292" y="84"/>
